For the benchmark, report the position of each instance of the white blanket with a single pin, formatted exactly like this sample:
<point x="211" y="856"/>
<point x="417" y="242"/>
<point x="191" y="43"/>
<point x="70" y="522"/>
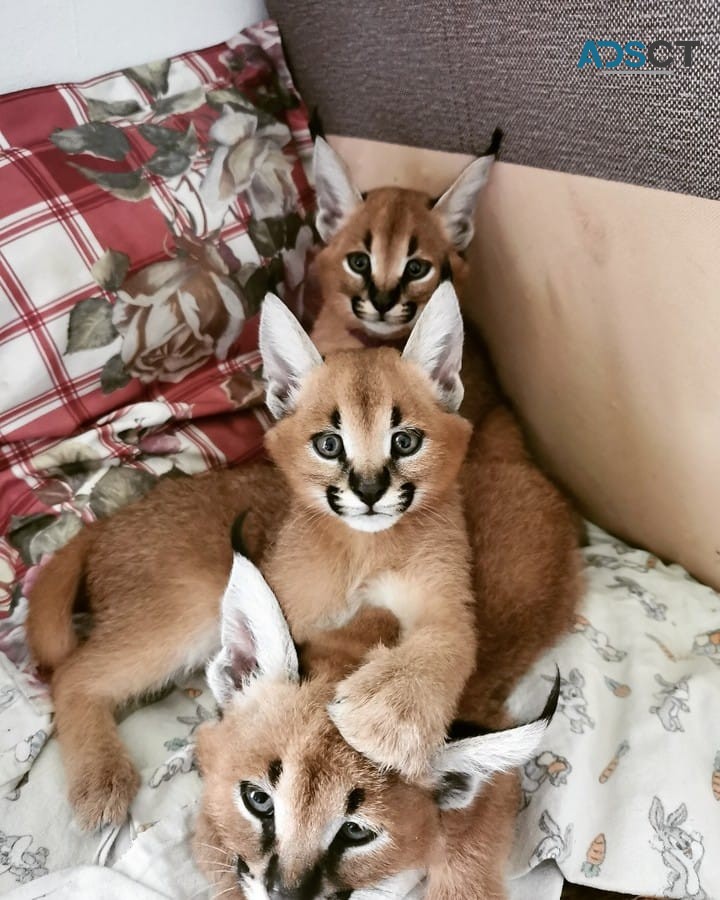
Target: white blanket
<point x="624" y="795"/>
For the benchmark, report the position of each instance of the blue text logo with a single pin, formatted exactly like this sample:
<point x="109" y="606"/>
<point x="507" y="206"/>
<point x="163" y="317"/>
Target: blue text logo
<point x="656" y="56"/>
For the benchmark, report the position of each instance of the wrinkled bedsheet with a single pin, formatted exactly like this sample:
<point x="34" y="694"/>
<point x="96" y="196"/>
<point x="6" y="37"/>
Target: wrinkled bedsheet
<point x="623" y="795"/>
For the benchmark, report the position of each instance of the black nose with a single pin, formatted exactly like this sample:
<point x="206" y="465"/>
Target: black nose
<point x="384" y="300"/>
<point x="370" y="488"/>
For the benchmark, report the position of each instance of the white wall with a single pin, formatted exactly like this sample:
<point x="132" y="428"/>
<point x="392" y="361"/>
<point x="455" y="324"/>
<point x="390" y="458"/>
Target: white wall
<point x="47" y="41"/>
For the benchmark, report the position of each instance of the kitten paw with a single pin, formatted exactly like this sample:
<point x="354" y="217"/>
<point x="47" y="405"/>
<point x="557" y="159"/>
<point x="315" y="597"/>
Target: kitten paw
<point x="386" y="717"/>
<point x="101" y="794"/>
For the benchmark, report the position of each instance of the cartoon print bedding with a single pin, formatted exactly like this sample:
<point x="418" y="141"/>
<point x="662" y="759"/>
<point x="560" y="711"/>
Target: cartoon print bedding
<point x="624" y="794"/>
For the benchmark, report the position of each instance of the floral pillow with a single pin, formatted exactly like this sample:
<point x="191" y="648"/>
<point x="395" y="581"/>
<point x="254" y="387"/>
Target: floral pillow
<point x="143" y="217"/>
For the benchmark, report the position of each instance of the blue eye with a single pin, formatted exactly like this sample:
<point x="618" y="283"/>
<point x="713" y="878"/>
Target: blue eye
<point x="417" y="268"/>
<point x="356" y="834"/>
<point x="359" y="262"/>
<point x="328" y="445"/>
<point x="405" y="443"/>
<point x="256" y="800"/>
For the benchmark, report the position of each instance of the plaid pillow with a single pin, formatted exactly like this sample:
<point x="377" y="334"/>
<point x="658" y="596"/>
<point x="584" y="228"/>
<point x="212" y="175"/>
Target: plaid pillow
<point x="143" y="216"/>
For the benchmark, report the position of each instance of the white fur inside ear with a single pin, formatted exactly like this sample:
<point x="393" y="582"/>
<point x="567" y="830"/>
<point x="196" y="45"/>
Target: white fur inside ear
<point x="462" y="767"/>
<point x="256" y="641"/>
<point x="337" y="196"/>
<point x="287" y="353"/>
<point x="457" y="205"/>
<point x="436" y="342"/>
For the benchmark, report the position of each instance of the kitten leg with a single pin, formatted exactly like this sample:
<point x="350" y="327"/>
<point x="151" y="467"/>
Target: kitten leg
<point x="396" y="707"/>
<point x="105" y="672"/>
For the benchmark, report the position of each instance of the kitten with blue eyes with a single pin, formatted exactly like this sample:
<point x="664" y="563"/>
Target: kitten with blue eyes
<point x="365" y="511"/>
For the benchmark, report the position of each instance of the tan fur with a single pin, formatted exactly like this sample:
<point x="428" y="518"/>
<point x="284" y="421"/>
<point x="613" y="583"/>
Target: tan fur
<point x="522" y="530"/>
<point x="290" y="723"/>
<point x="464" y="852"/>
<point x="158" y="569"/>
<point x="167" y="584"/>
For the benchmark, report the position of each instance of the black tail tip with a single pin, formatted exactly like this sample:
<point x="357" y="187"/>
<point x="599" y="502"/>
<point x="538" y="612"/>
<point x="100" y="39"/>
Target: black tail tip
<point x="315" y="124"/>
<point x="495" y="142"/>
<point x="236" y="535"/>
<point x="552" y="701"/>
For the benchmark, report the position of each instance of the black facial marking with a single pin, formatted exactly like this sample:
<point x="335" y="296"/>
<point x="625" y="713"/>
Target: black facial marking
<point x="355" y="798"/>
<point x="395" y="418"/>
<point x="241" y="867"/>
<point x="356" y="303"/>
<point x="407" y="493"/>
<point x="412" y="246"/>
<point x="333" y="498"/>
<point x="275" y="771"/>
<point x="409" y="310"/>
<point x="370" y="488"/>
<point x="267" y="838"/>
<point x="452" y="783"/>
<point x="367" y="240"/>
<point x="342" y="895"/>
<point x="272" y="873"/>
<point x="335" y="419"/>
<point x="384" y="300"/>
<point x="446" y="270"/>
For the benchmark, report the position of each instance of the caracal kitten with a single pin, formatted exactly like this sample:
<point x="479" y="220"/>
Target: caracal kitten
<point x="366" y="511"/>
<point x="386" y="253"/>
<point x="290" y="810"/>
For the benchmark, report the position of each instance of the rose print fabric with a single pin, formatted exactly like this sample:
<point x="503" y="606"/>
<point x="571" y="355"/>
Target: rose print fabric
<point x="143" y="217"/>
<point x="624" y="793"/>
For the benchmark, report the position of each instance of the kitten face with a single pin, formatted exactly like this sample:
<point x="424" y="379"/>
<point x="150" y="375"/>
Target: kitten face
<point x="382" y="267"/>
<point x="368" y="442"/>
<point x="389" y="249"/>
<point x="293" y="812"/>
<point x="290" y="811"/>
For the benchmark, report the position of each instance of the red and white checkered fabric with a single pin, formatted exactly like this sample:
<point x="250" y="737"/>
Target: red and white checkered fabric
<point x="143" y="215"/>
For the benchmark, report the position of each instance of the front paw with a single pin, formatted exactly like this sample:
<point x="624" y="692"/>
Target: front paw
<point x="388" y="716"/>
<point x="101" y="795"/>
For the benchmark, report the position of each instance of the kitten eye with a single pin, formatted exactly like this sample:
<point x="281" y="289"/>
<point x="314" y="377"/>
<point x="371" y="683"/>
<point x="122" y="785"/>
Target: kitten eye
<point x="405" y="443"/>
<point x="256" y="800"/>
<point x="359" y="262"/>
<point x="329" y="445"/>
<point x="354" y="833"/>
<point x="417" y="268"/>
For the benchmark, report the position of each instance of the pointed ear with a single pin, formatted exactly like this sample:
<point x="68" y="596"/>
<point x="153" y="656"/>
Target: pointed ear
<point x="436" y="342"/>
<point x="255" y="638"/>
<point x="456" y="207"/>
<point x="462" y="767"/>
<point x="337" y="196"/>
<point x="287" y="353"/>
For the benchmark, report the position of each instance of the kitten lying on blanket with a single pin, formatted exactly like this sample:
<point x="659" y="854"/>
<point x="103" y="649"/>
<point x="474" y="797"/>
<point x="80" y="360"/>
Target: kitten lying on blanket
<point x="386" y="252"/>
<point x="370" y="447"/>
<point x="289" y="810"/>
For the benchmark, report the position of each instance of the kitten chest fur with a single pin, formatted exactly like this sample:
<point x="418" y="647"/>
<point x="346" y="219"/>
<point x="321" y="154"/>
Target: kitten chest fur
<point x="323" y="572"/>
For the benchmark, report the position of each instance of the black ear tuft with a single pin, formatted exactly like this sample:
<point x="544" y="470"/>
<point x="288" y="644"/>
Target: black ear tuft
<point x="463" y="728"/>
<point x="495" y="142"/>
<point x="552" y="701"/>
<point x="315" y="124"/>
<point x="236" y="535"/>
